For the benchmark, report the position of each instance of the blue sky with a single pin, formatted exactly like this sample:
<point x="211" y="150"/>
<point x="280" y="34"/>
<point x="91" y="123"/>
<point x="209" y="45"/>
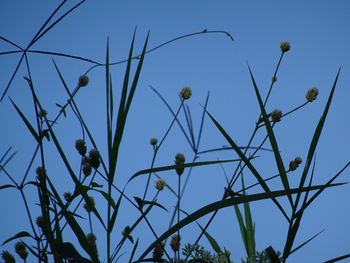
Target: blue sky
<point x="319" y="37"/>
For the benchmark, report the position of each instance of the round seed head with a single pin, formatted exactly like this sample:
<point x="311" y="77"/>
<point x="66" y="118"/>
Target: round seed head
<point x="7" y="257"/>
<point x="276" y="115"/>
<point x="175" y="242"/>
<point x="80" y="146"/>
<point x="90" y="204"/>
<point x="179" y="163"/>
<point x="87" y="169"/>
<point x="285" y="46"/>
<point x="153" y="141"/>
<point x="94" y="158"/>
<point x="160" y="184"/>
<point x="311" y="94"/>
<point x="83" y="80"/>
<point x="21" y="250"/>
<point x="186" y="93"/>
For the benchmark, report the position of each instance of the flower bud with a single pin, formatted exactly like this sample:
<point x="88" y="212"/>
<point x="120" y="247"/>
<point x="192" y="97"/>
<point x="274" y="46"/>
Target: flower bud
<point x="21" y="250"/>
<point x="94" y="158"/>
<point x="7" y="257"/>
<point x="160" y="184"/>
<point x="285" y="46"/>
<point x="276" y="115"/>
<point x="83" y="80"/>
<point x="311" y="94"/>
<point x="80" y="146"/>
<point x="179" y="163"/>
<point x="175" y="243"/>
<point x="186" y="93"/>
<point x="90" y="204"/>
<point x="87" y="169"/>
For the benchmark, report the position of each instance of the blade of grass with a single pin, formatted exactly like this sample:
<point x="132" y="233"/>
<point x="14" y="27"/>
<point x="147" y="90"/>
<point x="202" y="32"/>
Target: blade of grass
<point x="272" y="138"/>
<point x="248" y="164"/>
<point x="304" y="243"/>
<point x="222" y="204"/>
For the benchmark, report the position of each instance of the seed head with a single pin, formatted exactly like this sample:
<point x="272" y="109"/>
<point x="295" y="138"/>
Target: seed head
<point x="179" y="163"/>
<point x="42" y="113"/>
<point x="311" y="94"/>
<point x="285" y="46"/>
<point x="83" y="80"/>
<point x="94" y="158"/>
<point x="80" y="146"/>
<point x="153" y="141"/>
<point x="40" y="222"/>
<point x="276" y="115"/>
<point x="158" y="253"/>
<point x="160" y="184"/>
<point x="21" y="250"/>
<point x="175" y="242"/>
<point x="293" y="165"/>
<point x="186" y="93"/>
<point x="90" y="204"/>
<point x="40" y="173"/>
<point x="87" y="169"/>
<point x="7" y="257"/>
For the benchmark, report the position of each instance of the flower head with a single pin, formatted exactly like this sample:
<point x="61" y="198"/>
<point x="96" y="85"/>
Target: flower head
<point x="8" y="257"/>
<point x="40" y="222"/>
<point x="40" y="173"/>
<point x="311" y="94"/>
<point x="87" y="169"/>
<point x="175" y="242"/>
<point x="186" y="93"/>
<point x="80" y="146"/>
<point x="153" y="141"/>
<point x="179" y="163"/>
<point x="68" y="196"/>
<point x="83" y="80"/>
<point x="94" y="158"/>
<point x="90" y="204"/>
<point x="42" y="113"/>
<point x="91" y="239"/>
<point x="276" y="115"/>
<point x="293" y="165"/>
<point x="160" y="184"/>
<point x="21" y="250"/>
<point x="285" y="46"/>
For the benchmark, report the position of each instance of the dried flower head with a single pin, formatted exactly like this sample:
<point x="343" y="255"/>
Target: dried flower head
<point x="285" y="46"/>
<point x="311" y="94"/>
<point x="83" y="80"/>
<point x="160" y="184"/>
<point x="179" y="163"/>
<point x="7" y="257"/>
<point x="68" y="196"/>
<point x="80" y="146"/>
<point x="276" y="115"/>
<point x="153" y="141"/>
<point x="293" y="165"/>
<point x="90" y="204"/>
<point x="21" y="250"/>
<point x="87" y="169"/>
<point x="175" y="242"/>
<point x="158" y="253"/>
<point x="186" y="93"/>
<point x="94" y="158"/>
<point x="91" y="239"/>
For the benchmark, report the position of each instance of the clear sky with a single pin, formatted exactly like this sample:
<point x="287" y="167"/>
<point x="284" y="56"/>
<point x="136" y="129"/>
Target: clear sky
<point x="319" y="36"/>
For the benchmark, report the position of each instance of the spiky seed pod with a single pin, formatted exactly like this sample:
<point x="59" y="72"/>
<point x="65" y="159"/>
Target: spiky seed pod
<point x="158" y="253"/>
<point x="94" y="158"/>
<point x="285" y="46"/>
<point x="311" y="94"/>
<point x="90" y="204"/>
<point x="186" y="93"/>
<point x="276" y="115"/>
<point x="83" y="80"/>
<point x="7" y="257"/>
<point x="21" y="250"/>
<point x="160" y="184"/>
<point x="179" y="163"/>
<point x="80" y="146"/>
<point x="175" y="243"/>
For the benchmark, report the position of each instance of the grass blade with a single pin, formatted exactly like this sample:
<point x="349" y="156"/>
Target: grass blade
<point x="272" y="138"/>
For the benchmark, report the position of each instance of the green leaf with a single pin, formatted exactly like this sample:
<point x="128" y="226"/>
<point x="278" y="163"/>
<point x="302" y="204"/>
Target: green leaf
<point x="133" y="251"/>
<point x="220" y="205"/>
<point x="337" y="258"/>
<point x="304" y="243"/>
<point x="26" y="122"/>
<point x="7" y="186"/>
<point x="172" y="167"/>
<point x="18" y="235"/>
<point x="242" y="228"/>
<point x="273" y="141"/>
<point x="115" y="213"/>
<point x="247" y="163"/>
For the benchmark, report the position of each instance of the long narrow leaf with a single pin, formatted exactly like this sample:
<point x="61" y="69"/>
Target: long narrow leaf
<point x="272" y="138"/>
<point x="220" y="205"/>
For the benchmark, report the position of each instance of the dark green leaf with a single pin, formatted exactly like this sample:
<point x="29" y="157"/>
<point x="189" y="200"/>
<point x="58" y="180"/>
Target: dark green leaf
<point x="18" y="235"/>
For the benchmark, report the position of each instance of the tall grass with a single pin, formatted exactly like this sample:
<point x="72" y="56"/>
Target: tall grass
<point x="97" y="175"/>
